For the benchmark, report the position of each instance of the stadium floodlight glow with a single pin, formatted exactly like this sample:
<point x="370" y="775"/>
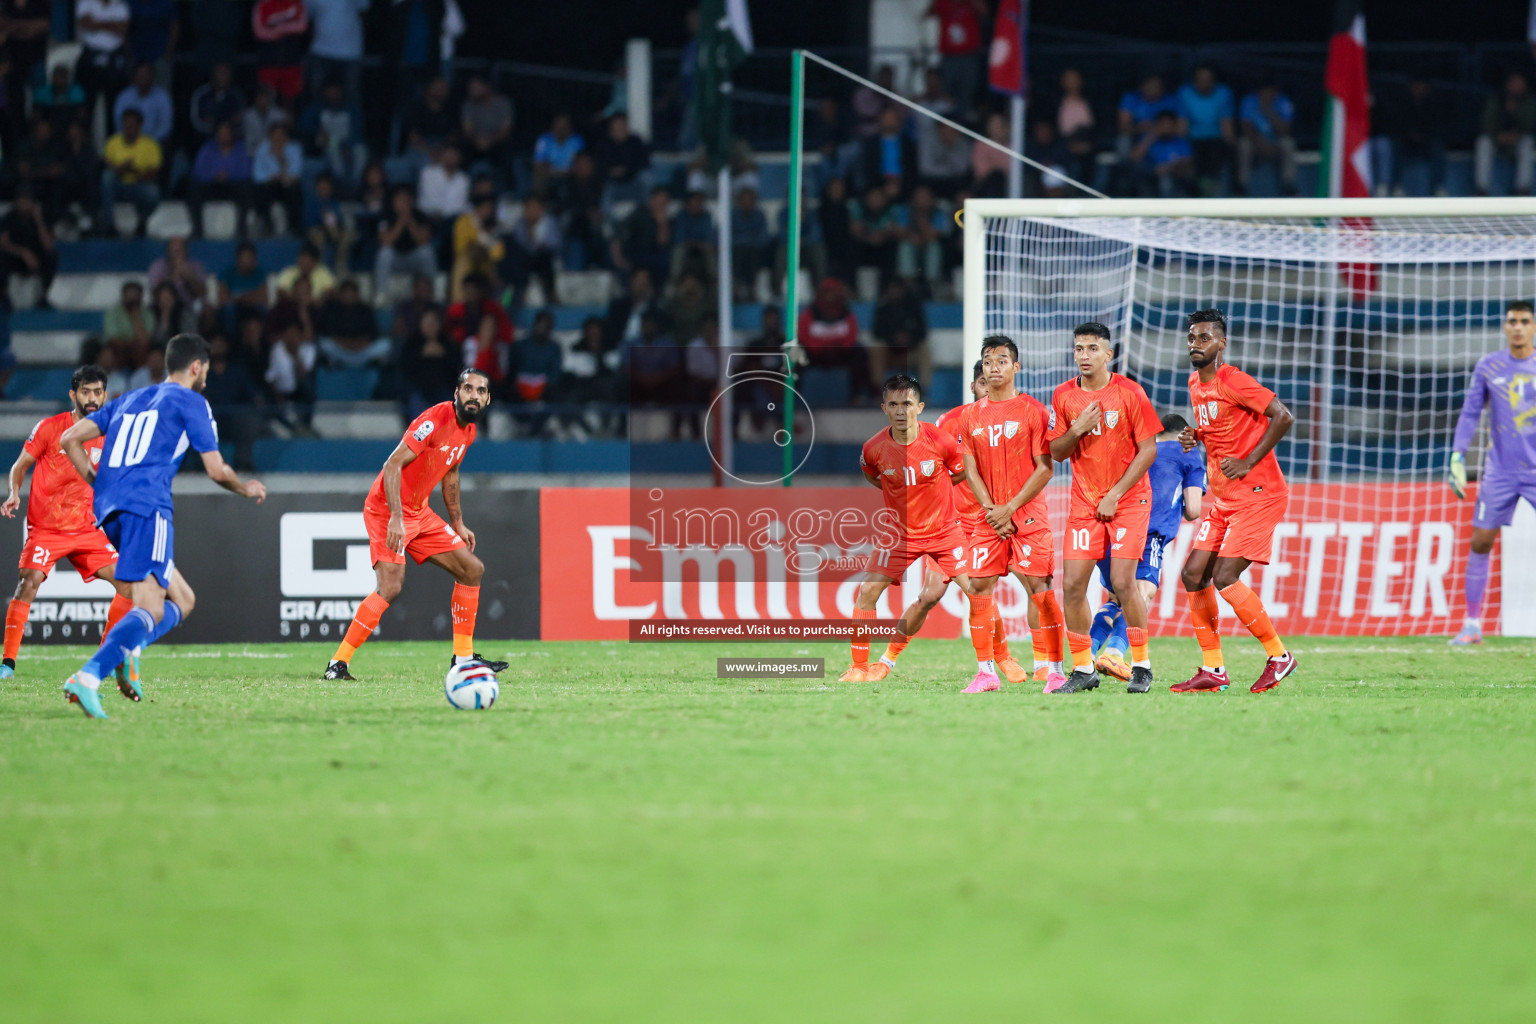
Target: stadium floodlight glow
<point x="1366" y="316"/>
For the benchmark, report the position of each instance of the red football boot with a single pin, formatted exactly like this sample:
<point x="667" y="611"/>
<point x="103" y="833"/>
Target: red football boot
<point x="1203" y="681"/>
<point x="1275" y="669"/>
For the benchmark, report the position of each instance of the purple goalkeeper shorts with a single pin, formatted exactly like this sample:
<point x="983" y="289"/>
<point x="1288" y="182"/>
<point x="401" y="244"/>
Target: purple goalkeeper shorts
<point x="1497" y="496"/>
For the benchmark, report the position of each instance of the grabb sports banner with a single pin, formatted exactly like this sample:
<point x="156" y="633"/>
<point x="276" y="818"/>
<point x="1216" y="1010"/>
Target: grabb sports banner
<point x="1355" y="559"/>
<point x="295" y="568"/>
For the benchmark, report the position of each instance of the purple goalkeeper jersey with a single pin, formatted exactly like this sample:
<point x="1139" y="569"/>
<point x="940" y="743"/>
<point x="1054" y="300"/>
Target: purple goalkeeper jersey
<point x="1507" y="387"/>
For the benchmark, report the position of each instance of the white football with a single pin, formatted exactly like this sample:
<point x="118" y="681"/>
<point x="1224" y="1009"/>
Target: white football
<point x="471" y="686"/>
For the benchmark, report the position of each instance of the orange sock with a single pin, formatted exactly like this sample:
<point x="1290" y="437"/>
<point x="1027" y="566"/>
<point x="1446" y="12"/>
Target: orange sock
<point x="981" y="625"/>
<point x="1138" y="639"/>
<point x="121" y="605"/>
<point x="1250" y="612"/>
<point x="15" y="625"/>
<point x="999" y="633"/>
<point x="895" y="647"/>
<point x="466" y="605"/>
<point x="363" y="624"/>
<point x="1206" y="616"/>
<point x="1082" y="651"/>
<point x="861" y="636"/>
<point x="1052" y="623"/>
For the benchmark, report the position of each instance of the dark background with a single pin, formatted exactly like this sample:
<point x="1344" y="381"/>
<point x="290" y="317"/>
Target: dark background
<point x="591" y="33"/>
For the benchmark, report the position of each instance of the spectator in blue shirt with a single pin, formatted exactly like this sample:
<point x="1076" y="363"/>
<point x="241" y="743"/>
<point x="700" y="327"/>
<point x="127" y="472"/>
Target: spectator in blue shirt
<point x="553" y="154"/>
<point x="336" y="48"/>
<point x="60" y="100"/>
<point x="1207" y="107"/>
<point x="1265" y="142"/>
<point x="693" y="233"/>
<point x="216" y="101"/>
<point x="1137" y="113"/>
<point x="751" y="243"/>
<point x="1164" y="157"/>
<point x="242" y="288"/>
<point x="278" y="170"/>
<point x="922" y="253"/>
<point x="153" y="102"/>
<point x="222" y="170"/>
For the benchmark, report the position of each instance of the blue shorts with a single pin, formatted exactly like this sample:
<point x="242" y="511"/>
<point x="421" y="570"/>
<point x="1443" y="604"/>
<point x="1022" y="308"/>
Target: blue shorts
<point x="146" y="546"/>
<point x="1150" y="568"/>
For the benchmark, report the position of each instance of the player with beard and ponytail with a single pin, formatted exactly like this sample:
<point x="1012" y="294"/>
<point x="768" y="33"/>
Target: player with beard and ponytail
<point x="400" y="522"/>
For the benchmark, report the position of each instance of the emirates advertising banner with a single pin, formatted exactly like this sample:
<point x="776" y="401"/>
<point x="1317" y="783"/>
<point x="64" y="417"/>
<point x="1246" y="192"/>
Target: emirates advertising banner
<point x="737" y="564"/>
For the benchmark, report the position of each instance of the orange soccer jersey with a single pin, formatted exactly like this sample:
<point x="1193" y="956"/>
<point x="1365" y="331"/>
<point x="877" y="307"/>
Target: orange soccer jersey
<point x="439" y="443"/>
<point x="1004" y="438"/>
<point x="966" y="505"/>
<point x="915" y="479"/>
<point x="61" y="500"/>
<point x="1126" y="419"/>
<point x="1230" y="420"/>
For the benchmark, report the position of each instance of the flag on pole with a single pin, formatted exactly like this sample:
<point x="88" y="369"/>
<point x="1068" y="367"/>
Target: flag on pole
<point x="1346" y="157"/>
<point x="725" y="39"/>
<point x="1005" y="61"/>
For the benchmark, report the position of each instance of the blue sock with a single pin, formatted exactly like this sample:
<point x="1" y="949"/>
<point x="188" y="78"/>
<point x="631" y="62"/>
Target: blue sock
<point x="131" y="631"/>
<point x="1103" y="625"/>
<point x="1117" y="637"/>
<point x="168" y="621"/>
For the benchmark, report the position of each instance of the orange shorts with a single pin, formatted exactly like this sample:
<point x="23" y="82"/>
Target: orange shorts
<point x="1124" y="536"/>
<point x="88" y="551"/>
<point x="1243" y="529"/>
<point x="425" y="535"/>
<point x="948" y="553"/>
<point x="1030" y="549"/>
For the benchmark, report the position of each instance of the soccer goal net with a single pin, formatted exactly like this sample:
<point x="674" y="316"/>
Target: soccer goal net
<point x="1366" y="317"/>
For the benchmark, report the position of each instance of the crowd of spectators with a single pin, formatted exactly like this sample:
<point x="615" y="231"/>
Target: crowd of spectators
<point x="285" y="143"/>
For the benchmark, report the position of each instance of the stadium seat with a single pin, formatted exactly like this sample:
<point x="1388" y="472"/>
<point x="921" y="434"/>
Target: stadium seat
<point x="346" y="385"/>
<point x="822" y="387"/>
<point x="40" y="383"/>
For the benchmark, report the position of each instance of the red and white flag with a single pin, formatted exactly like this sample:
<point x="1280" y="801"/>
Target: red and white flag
<point x="1005" y="62"/>
<point x="1346" y="167"/>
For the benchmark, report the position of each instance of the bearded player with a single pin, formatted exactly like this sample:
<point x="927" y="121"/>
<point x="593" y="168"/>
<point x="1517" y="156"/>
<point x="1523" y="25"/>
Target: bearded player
<point x="1105" y="424"/>
<point x="1008" y="464"/>
<point x="1239" y="421"/>
<point x="1504" y="383"/>
<point x="914" y="464"/>
<point x="60" y="523"/>
<point x="400" y="522"/>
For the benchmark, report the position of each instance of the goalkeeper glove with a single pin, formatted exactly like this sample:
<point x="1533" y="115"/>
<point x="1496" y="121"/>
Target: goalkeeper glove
<point x="1458" y="475"/>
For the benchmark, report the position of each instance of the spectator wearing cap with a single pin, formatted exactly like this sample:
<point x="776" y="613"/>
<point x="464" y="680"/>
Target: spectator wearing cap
<point x="405" y="244"/>
<point x="150" y="100"/>
<point x="217" y="101"/>
<point x="222" y="171"/>
<point x="336" y="49"/>
<point x="277" y="171"/>
<point x="132" y="171"/>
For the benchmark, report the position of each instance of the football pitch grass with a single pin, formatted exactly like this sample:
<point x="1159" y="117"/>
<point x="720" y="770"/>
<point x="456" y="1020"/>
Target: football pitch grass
<point x="624" y="837"/>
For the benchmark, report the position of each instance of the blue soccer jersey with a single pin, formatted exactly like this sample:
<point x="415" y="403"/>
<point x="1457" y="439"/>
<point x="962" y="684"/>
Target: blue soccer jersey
<point x="1174" y="470"/>
<point x="146" y="434"/>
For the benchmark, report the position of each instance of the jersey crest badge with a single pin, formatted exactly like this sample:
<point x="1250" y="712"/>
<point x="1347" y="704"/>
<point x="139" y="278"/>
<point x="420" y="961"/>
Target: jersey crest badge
<point x="1010" y="427"/>
<point x="927" y="467"/>
<point x="1210" y="410"/>
<point x="1112" y="417"/>
<point x="424" y="431"/>
<point x="95" y="456"/>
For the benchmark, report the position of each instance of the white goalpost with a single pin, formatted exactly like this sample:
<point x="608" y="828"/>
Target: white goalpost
<point x="1365" y="316"/>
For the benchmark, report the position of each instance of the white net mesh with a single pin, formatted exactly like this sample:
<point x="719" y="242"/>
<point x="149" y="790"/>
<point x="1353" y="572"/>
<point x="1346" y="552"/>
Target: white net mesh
<point x="1367" y="330"/>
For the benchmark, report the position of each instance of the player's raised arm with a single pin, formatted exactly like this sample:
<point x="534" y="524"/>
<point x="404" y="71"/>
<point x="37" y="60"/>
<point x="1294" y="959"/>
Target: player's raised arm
<point x="450" y="488"/>
<point x="24" y="462"/>
<point x="1281" y="420"/>
<point x="73" y="442"/>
